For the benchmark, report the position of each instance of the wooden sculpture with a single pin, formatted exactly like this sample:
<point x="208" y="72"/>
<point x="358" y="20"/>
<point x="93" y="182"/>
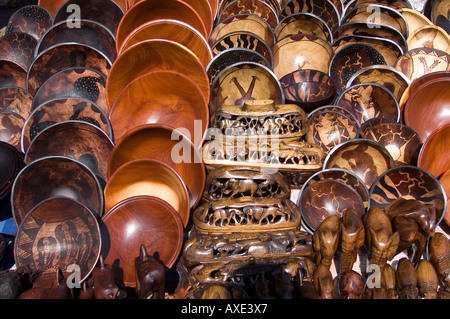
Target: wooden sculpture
<point x="427" y="280"/>
<point x="104" y="281"/>
<point x="351" y="285"/>
<point x="60" y="290"/>
<point x="352" y="239"/>
<point x="388" y="274"/>
<point x="439" y="249"/>
<point x="323" y="283"/>
<point x="150" y="276"/>
<point x="406" y="278"/>
<point x="326" y="240"/>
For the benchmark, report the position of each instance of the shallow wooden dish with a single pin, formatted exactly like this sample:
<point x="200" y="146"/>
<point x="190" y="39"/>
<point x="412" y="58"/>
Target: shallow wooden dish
<point x="364" y="157"/>
<point x="430" y="36"/>
<point x="31" y="19"/>
<point x="303" y="23"/>
<point x="78" y="140"/>
<point x="435" y="153"/>
<point x="149" y="10"/>
<point x="56" y="233"/>
<point x="11" y="125"/>
<point x="106" y="12"/>
<point x="63" y="56"/>
<point x="17" y="100"/>
<point x="161" y="97"/>
<point x="172" y="30"/>
<point x="18" y="48"/>
<point x="136" y="221"/>
<point x="367" y="125"/>
<point x="262" y="9"/>
<point x="60" y="110"/>
<point x="12" y="75"/>
<point x="334" y="108"/>
<point x="428" y="107"/>
<point x="369" y="100"/>
<point x="414" y="18"/>
<point x="151" y="55"/>
<point x="439" y="14"/>
<point x="409" y="182"/>
<point x="55" y="176"/>
<point x="153" y="141"/>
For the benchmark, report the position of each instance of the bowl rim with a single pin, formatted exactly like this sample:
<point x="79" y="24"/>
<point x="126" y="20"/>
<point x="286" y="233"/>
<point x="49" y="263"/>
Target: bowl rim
<point x="378" y="67"/>
<point x="426" y="143"/>
<point x="266" y="3"/>
<point x="335" y="10"/>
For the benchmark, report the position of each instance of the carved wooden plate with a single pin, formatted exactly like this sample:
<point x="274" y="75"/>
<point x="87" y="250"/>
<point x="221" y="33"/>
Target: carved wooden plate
<point x="17" y="100"/>
<point x="55" y="176"/>
<point x="31" y="19"/>
<point x="435" y="153"/>
<point x="257" y="7"/>
<point x="135" y="221"/>
<point x="12" y="75"/>
<point x="11" y="125"/>
<point x="303" y="23"/>
<point x="430" y="36"/>
<point x="18" y="48"/>
<point x="58" y="232"/>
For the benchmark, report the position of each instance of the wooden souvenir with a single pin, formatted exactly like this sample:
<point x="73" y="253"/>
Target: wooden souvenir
<point x="324" y="285"/>
<point x="303" y="23"/>
<point x="34" y="20"/>
<point x="439" y="249"/>
<point x="351" y="285"/>
<point x="406" y="279"/>
<point x="150" y="276"/>
<point x="427" y="280"/>
<point x="326" y="239"/>
<point x="352" y="239"/>
<point x="105" y="286"/>
<point x="259" y="8"/>
<point x="18" y="48"/>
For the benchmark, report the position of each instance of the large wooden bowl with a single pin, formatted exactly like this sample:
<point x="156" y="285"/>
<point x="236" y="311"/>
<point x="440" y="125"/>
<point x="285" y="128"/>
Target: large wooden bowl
<point x="303" y="23"/>
<point x="161" y="97"/>
<point x="18" y="48"/>
<point x="151" y="178"/>
<point x="16" y="99"/>
<point x="11" y="125"/>
<point x="31" y="19"/>
<point x="428" y="108"/>
<point x="12" y="163"/>
<point x="173" y="30"/>
<point x="12" y="75"/>
<point x="414" y="18"/>
<point x="262" y="9"/>
<point x="148" y="10"/>
<point x="55" y="176"/>
<point x="434" y="156"/>
<point x="136" y="221"/>
<point x="154" y="141"/>
<point x="78" y="140"/>
<point x="151" y="55"/>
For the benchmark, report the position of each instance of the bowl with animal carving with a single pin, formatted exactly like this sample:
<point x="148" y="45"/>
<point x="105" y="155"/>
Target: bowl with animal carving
<point x="308" y="88"/>
<point x="31" y="19"/>
<point x="16" y="99"/>
<point x="12" y="75"/>
<point x="18" y="48"/>
<point x="11" y="125"/>
<point x="409" y="182"/>
<point x="435" y="152"/>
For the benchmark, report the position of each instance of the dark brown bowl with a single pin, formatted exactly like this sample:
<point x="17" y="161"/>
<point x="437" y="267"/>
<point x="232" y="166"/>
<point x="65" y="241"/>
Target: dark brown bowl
<point x="154" y="141"/>
<point x="308" y="88"/>
<point x="11" y="125"/>
<point x="409" y="182"/>
<point x="303" y="23"/>
<point x="12" y="163"/>
<point x="106" y="12"/>
<point x="63" y="56"/>
<point x="445" y="182"/>
<point x="364" y="157"/>
<point x="367" y="125"/>
<point x="56" y="233"/>
<point x="55" y="176"/>
<point x="369" y="100"/>
<point x="325" y="198"/>
<point x="334" y="108"/>
<point x="61" y="110"/>
<point x="78" y="140"/>
<point x="161" y="97"/>
<point x="136" y="221"/>
<point x="17" y="100"/>
<point x="434" y="156"/>
<point x="31" y="19"/>
<point x="76" y="83"/>
<point x="262" y="9"/>
<point x="51" y="5"/>
<point x="18" y="48"/>
<point x="12" y="75"/>
<point x="400" y="140"/>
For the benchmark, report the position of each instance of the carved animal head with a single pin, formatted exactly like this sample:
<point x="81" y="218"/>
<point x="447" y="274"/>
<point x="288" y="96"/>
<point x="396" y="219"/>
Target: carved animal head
<point x="104" y="282"/>
<point x="323" y="282"/>
<point x="352" y="238"/>
<point x="326" y="238"/>
<point x="351" y="285"/>
<point x="406" y="278"/>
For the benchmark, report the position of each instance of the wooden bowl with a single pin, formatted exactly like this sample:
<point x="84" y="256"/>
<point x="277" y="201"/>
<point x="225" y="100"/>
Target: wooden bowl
<point x="161" y="97"/>
<point x="308" y="89"/>
<point x="106" y="12"/>
<point x="31" y="19"/>
<point x="409" y="182"/>
<point x="400" y="140"/>
<point x="445" y="182"/>
<point x="56" y="233"/>
<point x="63" y="56"/>
<point x="244" y="22"/>
<point x="12" y="163"/>
<point x="18" y="48"/>
<point x="299" y="52"/>
<point x="364" y="157"/>
<point x="11" y="125"/>
<point x="367" y="125"/>
<point x="350" y="59"/>
<point x="325" y="198"/>
<point x="157" y="142"/>
<point x="420" y="61"/>
<point x="150" y="178"/>
<point x="75" y="83"/>
<point x="53" y="176"/>
<point x="439" y="14"/>
<point x="231" y="56"/>
<point x="172" y="30"/>
<point x="12" y="75"/>
<point x="244" y="81"/>
<point x="392" y="79"/>
<point x="243" y="40"/>
<point x="303" y="23"/>
<point x="333" y="108"/>
<point x="324" y="9"/>
<point x="51" y="5"/>
<point x="60" y="110"/>
<point x="430" y="36"/>
<point x="136" y="221"/>
<point x="435" y="152"/>
<point x="396" y="4"/>
<point x="330" y="128"/>
<point x="414" y="18"/>
<point x="149" y="10"/>
<point x="151" y="55"/>
<point x="262" y="9"/>
<point x="428" y="107"/>
<point x="81" y="141"/>
<point x="17" y="100"/>
<point x="369" y="100"/>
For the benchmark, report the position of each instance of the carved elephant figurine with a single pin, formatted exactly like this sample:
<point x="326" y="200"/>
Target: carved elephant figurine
<point x="352" y="239"/>
<point x="150" y="276"/>
<point x="406" y="278"/>
<point x="351" y="285"/>
<point x="427" y="280"/>
<point x="104" y="281"/>
<point x="388" y="274"/>
<point x="323" y="282"/>
<point x="439" y="248"/>
<point x="381" y="241"/>
<point x="60" y="290"/>
<point x="326" y="240"/>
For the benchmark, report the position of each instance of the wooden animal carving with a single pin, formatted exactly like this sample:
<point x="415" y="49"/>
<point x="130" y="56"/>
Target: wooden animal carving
<point x="351" y="285"/>
<point x="352" y="239"/>
<point x="406" y="278"/>
<point x="427" y="280"/>
<point x="323" y="282"/>
<point x="150" y="276"/>
<point x="388" y="274"/>
<point x="104" y="282"/>
<point x="326" y="240"/>
<point x="381" y="241"/>
<point x="60" y="290"/>
<point x="439" y="248"/>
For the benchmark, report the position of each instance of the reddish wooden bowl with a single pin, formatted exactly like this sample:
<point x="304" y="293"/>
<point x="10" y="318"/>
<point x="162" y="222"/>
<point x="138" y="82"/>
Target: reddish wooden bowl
<point x="150" y="178"/>
<point x="155" y="141"/>
<point x="11" y="125"/>
<point x="136" y="221"/>
<point x="151" y="55"/>
<point x="31" y="19"/>
<point x="56" y="233"/>
<point x="17" y="100"/>
<point x="262" y="9"/>
<point x="12" y="75"/>
<point x="18" y="48"/>
<point x="12" y="163"/>
<point x="434" y="156"/>
<point x="161" y="97"/>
